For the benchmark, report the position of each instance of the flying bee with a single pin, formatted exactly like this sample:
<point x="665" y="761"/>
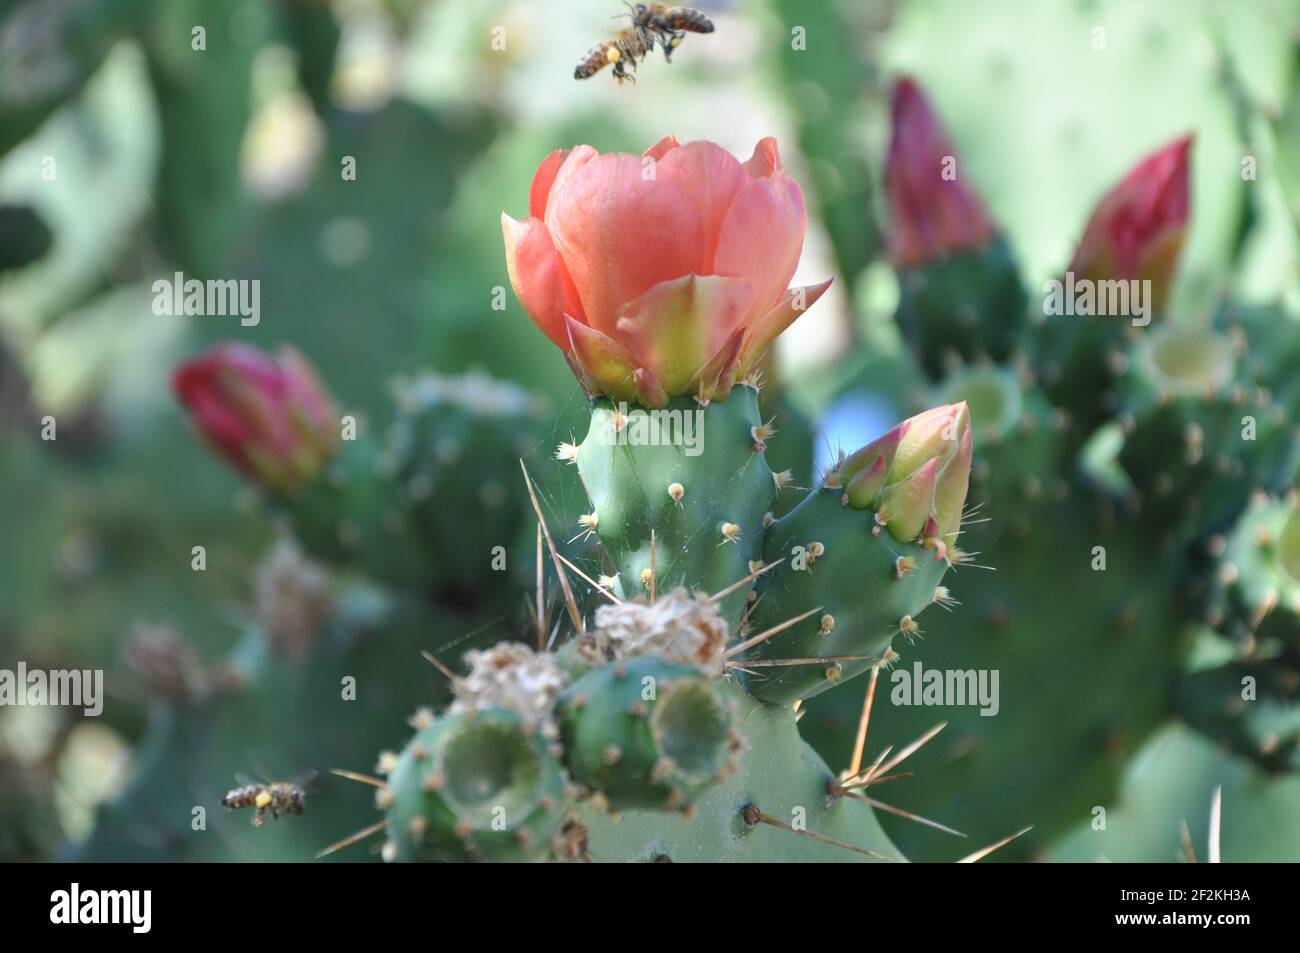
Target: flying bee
<point x="653" y="24"/>
<point x="669" y="24"/>
<point x="275" y="797"/>
<point x="622" y="50"/>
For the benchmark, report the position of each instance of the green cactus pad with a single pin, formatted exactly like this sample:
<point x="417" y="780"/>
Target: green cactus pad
<point x="405" y="509"/>
<point x="1167" y="801"/>
<point x="705" y="508"/>
<point x="474" y="788"/>
<point x="647" y="734"/>
<point x="966" y="307"/>
<point x="352" y="515"/>
<point x="1116" y="665"/>
<point x="1018" y="439"/>
<point x="856" y="585"/>
<point x="778" y="775"/>
<point x="1076" y="359"/>
<point x="1199" y="437"/>
<point x="451" y="451"/>
<point x="1255" y="588"/>
<point x="1252" y="707"/>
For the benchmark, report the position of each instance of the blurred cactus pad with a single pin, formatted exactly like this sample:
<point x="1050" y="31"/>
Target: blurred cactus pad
<point x="872" y="435"/>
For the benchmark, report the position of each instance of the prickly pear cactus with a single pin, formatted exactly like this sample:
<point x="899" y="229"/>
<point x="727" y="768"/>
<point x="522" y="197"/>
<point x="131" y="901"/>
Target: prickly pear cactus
<point x="1117" y="455"/>
<point x="664" y="728"/>
<point x="636" y="742"/>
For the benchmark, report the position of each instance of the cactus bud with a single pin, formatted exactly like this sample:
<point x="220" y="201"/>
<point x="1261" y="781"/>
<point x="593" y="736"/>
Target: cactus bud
<point x="918" y="472"/>
<point x="269" y="416"/>
<point x="1137" y="230"/>
<point x="934" y="215"/>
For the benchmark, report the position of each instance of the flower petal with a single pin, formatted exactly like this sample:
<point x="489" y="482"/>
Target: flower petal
<point x="607" y="366"/>
<point x="717" y="377"/>
<point x="536" y="275"/>
<point x="677" y="326"/>
<point x="543" y="179"/>
<point x="766" y="159"/>
<point x="624" y="223"/>
<point x="662" y="147"/>
<point x="764" y="331"/>
<point x="762" y="237"/>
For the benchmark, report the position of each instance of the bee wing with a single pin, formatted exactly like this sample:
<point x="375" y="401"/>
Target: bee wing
<point x="244" y="780"/>
<point x="308" y="781"/>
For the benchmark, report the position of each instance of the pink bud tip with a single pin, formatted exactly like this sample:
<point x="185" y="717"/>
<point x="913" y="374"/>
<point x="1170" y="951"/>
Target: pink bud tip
<point x="935" y="213"/>
<point x="268" y="415"/>
<point x="1137" y="230"/>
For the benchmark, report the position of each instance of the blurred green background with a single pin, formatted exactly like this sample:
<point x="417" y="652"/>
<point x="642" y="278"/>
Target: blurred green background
<point x="227" y="162"/>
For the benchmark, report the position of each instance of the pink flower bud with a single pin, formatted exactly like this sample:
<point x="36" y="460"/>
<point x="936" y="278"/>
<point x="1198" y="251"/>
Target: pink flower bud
<point x="934" y="214"/>
<point x="1137" y="230"/>
<point x="916" y="476"/>
<point x="269" y="416"/>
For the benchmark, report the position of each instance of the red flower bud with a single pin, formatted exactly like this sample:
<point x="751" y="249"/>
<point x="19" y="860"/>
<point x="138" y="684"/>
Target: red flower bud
<point x="1137" y="230"/>
<point x="934" y="213"/>
<point x="269" y="416"/>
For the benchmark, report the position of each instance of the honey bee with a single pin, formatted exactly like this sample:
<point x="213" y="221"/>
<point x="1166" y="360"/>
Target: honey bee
<point x="652" y="24"/>
<point x="275" y="797"/>
<point x="622" y="50"/>
<point x="669" y="24"/>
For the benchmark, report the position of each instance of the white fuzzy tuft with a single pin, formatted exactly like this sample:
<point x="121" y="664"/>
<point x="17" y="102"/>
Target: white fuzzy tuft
<point x="512" y="676"/>
<point x="677" y="627"/>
